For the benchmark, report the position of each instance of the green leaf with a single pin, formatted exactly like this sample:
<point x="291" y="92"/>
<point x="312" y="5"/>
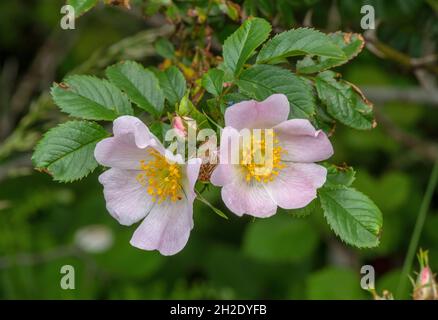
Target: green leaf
<point x="186" y="108"/>
<point x="350" y="43"/>
<point x="295" y="42"/>
<point x="261" y="81"/>
<point x="82" y="6"/>
<point x="240" y="46"/>
<point x="67" y="151"/>
<point x="140" y="84"/>
<point x="344" y="102"/>
<point x="340" y="176"/>
<point x="280" y="239"/>
<point x="165" y="48"/>
<point x="90" y="98"/>
<point x="213" y="81"/>
<point x="352" y="216"/>
<point x="173" y="84"/>
<point x="323" y="120"/>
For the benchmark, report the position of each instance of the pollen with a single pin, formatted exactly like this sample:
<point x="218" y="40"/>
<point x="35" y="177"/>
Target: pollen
<point x="261" y="159"/>
<point x="161" y="178"/>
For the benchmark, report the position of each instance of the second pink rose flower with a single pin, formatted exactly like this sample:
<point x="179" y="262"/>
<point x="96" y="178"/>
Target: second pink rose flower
<point x="293" y="177"/>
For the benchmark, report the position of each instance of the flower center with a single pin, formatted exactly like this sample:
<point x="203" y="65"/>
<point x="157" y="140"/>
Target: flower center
<point x="261" y="158"/>
<point x="161" y="178"/>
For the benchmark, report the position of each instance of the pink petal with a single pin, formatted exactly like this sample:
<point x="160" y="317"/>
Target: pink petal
<point x="128" y="146"/>
<point x="295" y="186"/>
<point x="166" y="228"/>
<point x="192" y="172"/>
<point x="224" y="172"/>
<point x="302" y="142"/>
<point x="133" y="126"/>
<point x="126" y="199"/>
<point x="258" y="115"/>
<point x="252" y="199"/>
<point x="120" y="152"/>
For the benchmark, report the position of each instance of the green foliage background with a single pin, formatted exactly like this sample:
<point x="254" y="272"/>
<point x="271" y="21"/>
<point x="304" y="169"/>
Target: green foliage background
<point x="286" y="256"/>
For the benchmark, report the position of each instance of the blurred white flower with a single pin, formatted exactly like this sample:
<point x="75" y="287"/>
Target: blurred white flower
<point x="94" y="238"/>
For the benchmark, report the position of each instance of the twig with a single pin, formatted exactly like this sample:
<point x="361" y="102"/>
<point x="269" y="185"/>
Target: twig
<point x="386" y="52"/>
<point x="40" y="73"/>
<point x="30" y="259"/>
<point x="426" y="149"/>
<point x="136" y="47"/>
<point x="409" y="94"/>
<point x="415" y="238"/>
<point x="15" y="164"/>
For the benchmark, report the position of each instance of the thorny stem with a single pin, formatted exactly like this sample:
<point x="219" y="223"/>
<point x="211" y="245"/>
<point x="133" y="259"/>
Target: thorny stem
<point x="415" y="238"/>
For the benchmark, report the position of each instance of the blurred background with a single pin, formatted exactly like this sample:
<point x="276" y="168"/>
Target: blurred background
<point x="45" y="225"/>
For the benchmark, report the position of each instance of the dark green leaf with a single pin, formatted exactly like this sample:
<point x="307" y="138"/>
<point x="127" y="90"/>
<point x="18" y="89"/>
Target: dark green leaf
<point x="213" y="81"/>
<point x="140" y="84"/>
<point x="90" y="98"/>
<point x="350" y="43"/>
<point x="261" y="81"/>
<point x="240" y="46"/>
<point x="352" y="216"/>
<point x="173" y="84"/>
<point x="67" y="151"/>
<point x="302" y="41"/>
<point x="344" y="102"/>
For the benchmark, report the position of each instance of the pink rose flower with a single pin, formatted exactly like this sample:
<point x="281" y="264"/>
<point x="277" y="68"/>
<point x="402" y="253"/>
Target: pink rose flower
<point x="146" y="182"/>
<point x="291" y="179"/>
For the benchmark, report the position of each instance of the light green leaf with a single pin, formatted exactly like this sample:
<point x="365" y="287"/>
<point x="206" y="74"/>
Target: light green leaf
<point x="173" y="84"/>
<point x="350" y="43"/>
<point x="344" y="102"/>
<point x="240" y="46"/>
<point x="261" y="81"/>
<point x="339" y="176"/>
<point x="90" y="98"/>
<point x="352" y="216"/>
<point x="67" y="151"/>
<point x="213" y="81"/>
<point x="296" y="42"/>
<point x="280" y="239"/>
<point x="140" y="84"/>
<point x="186" y="108"/>
<point x="82" y="6"/>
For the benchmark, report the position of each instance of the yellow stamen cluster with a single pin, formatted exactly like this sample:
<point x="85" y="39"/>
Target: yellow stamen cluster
<point x="260" y="163"/>
<point x="161" y="178"/>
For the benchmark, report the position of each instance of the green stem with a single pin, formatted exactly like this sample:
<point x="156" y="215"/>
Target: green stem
<point x="415" y="238"/>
